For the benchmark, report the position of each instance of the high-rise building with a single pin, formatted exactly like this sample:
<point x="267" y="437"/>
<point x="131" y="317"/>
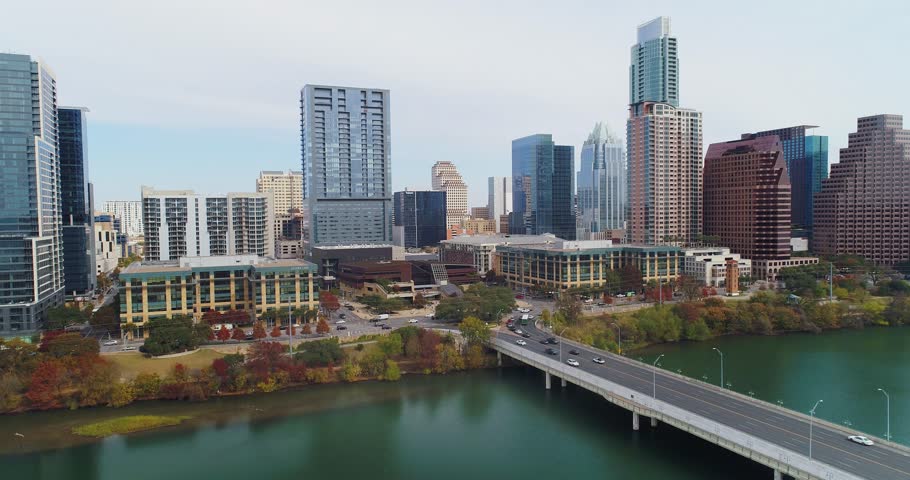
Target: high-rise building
<point x="286" y="189"/>
<point x="807" y="165"/>
<point x="31" y="273"/>
<point x="747" y="198"/>
<point x="181" y="223"/>
<point x="863" y="208"/>
<point x="346" y="142"/>
<point x="76" y="202"/>
<point x="499" y="200"/>
<point x="107" y="249"/>
<point x="542" y="187"/>
<point x="445" y="177"/>
<point x="480" y="212"/>
<point x="420" y="218"/>
<point x="601" y="182"/>
<point x="663" y="144"/>
<point x="129" y="212"/>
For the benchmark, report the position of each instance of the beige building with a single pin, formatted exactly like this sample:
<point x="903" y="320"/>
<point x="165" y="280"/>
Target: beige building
<point x="445" y="177"/>
<point x="286" y="188"/>
<point x="107" y="251"/>
<point x="479" y="226"/>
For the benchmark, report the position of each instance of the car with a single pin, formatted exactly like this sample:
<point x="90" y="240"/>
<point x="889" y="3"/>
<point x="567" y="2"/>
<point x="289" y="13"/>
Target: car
<point x="349" y="307"/>
<point x="521" y="342"/>
<point x="573" y="362"/>
<point x="526" y="335"/>
<point x="429" y="315"/>
<point x="380" y="325"/>
<point x="512" y="327"/>
<point x="386" y="327"/>
<point x="249" y="336"/>
<point x="621" y="295"/>
<point x="552" y="351"/>
<point x="342" y="315"/>
<point x="524" y="310"/>
<point x="341" y="327"/>
<point x="128" y="349"/>
<point x="553" y="341"/>
<point x="519" y="296"/>
<point x="574" y="352"/>
<point x="519" y="331"/>
<point x="413" y="320"/>
<point x="598" y="360"/>
<point x="109" y="343"/>
<point x="861" y="440"/>
<point x="283" y="327"/>
<point x="340" y="322"/>
<point x="530" y="317"/>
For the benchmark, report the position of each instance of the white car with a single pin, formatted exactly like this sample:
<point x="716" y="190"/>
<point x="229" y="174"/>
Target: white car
<point x="127" y="349"/>
<point x="861" y="440"/>
<point x="429" y="315"/>
<point x="518" y="332"/>
<point x="573" y="362"/>
<point x="109" y="343"/>
<point x="339" y="322"/>
<point x="599" y="360"/>
<point x="521" y="342"/>
<point x="413" y="320"/>
<point x="524" y="310"/>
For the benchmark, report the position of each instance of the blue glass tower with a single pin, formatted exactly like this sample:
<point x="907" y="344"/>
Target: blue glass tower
<point x="421" y="216"/>
<point x="654" y="71"/>
<point x="602" y="182"/>
<point x="76" y="202"/>
<point x="542" y="187"/>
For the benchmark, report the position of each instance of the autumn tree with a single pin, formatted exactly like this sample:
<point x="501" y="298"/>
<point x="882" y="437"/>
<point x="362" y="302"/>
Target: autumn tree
<point x="322" y="327"/>
<point x="60" y="345"/>
<point x="238" y="334"/>
<point x="328" y="302"/>
<point x="259" y="330"/>
<point x="474" y="331"/>
<point x="212" y="317"/>
<point x="690" y="287"/>
<point x="44" y="389"/>
<point x="276" y="332"/>
<point x="307" y="329"/>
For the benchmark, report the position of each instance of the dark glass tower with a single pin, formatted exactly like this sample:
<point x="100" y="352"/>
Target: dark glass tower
<point x="542" y="187"/>
<point x="421" y="216"/>
<point x="76" y="202"/>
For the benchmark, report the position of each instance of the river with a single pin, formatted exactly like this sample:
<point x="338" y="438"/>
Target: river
<point x="482" y="424"/>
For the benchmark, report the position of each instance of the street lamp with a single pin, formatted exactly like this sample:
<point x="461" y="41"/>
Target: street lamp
<point x="619" y="336"/>
<point x="560" y="343"/>
<point x="811" y="421"/>
<point x="887" y="414"/>
<point x="654" y="371"/>
<point x="721" y="366"/>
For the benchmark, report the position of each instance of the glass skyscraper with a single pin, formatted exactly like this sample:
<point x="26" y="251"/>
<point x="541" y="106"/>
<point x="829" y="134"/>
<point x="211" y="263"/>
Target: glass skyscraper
<point x="542" y="187"/>
<point x="31" y="274"/>
<point x="421" y="216"/>
<point x="807" y="165"/>
<point x="654" y="71"/>
<point x="76" y="202"/>
<point x="346" y="136"/>
<point x="602" y="182"/>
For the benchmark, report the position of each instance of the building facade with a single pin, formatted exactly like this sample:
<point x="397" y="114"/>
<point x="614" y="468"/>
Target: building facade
<point x="542" y="187"/>
<point x="346" y="144"/>
<point x="747" y="197"/>
<point x="601" y="182"/>
<point x="420" y="218"/>
<point x="194" y="285"/>
<point x="807" y="166"/>
<point x="108" y="249"/>
<point x="478" y="250"/>
<point x="499" y="201"/>
<point x="286" y="189"/>
<point x="863" y="208"/>
<point x="663" y="144"/>
<point x="130" y="214"/>
<point x="76" y="202"/>
<point x="445" y="177"/>
<point x="30" y="217"/>
<point x="710" y="265"/>
<point x="181" y="223"/>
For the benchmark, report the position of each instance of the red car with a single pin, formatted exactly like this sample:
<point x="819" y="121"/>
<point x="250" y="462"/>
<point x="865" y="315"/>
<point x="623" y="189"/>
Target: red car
<point x="519" y="296"/>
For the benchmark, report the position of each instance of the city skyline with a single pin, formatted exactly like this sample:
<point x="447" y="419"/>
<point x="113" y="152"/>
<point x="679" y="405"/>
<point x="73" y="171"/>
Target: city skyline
<point x="176" y="123"/>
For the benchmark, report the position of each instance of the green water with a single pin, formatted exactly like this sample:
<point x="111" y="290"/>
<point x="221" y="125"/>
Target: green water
<point x="843" y="368"/>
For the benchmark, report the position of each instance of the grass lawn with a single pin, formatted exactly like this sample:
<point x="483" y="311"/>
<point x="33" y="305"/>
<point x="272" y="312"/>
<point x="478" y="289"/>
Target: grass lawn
<point x="132" y="364"/>
<point x="129" y="424"/>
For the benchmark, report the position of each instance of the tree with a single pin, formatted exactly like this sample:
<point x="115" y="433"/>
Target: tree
<point x="690" y="288"/>
<point x="448" y="359"/>
<point x="474" y="331"/>
<point x="322" y="327"/>
<point x="328" y="302"/>
<point x="631" y="278"/>
<point x="223" y="334"/>
<point x="259" y="330"/>
<point x="59" y="318"/>
<point x="898" y="312"/>
<point x="485" y="303"/>
<point x="106" y="319"/>
<point x="569" y="306"/>
<point x="320" y="352"/>
<point x="172" y="335"/>
<point x="373" y="364"/>
<point x="307" y="329"/>
<point x="612" y="283"/>
<point x="238" y="334"/>
<point x="392" y="373"/>
<point x="391" y="344"/>
<point x="419" y="301"/>
<point x="44" y="388"/>
<point x="103" y="281"/>
<point x="350" y="371"/>
<point x="212" y="317"/>
<point x="276" y="331"/>
<point x="475" y="358"/>
<point x="59" y="345"/>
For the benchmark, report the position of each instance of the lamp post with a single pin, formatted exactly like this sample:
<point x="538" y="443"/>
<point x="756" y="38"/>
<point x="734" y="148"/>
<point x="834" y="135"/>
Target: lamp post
<point x="654" y="371"/>
<point x="721" y="366"/>
<point x="618" y="336"/>
<point x="560" y="343"/>
<point x="811" y="421"/>
<point x="887" y="414"/>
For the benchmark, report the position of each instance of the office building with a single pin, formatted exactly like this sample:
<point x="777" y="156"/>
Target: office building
<point x="420" y="218"/>
<point x="863" y="208"/>
<point x="480" y="212"/>
<point x="181" y="223"/>
<point x="286" y="189"/>
<point x="108" y="249"/>
<point x="30" y="218"/>
<point x="76" y="203"/>
<point x="710" y="265"/>
<point x="346" y="143"/>
<point x="601" y="182"/>
<point x="328" y="257"/>
<point x="445" y="177"/>
<point x="195" y="285"/>
<point x="499" y="201"/>
<point x="478" y="250"/>
<point x="542" y="187"/>
<point x="807" y="165"/>
<point x="129" y="213"/>
<point x="663" y="144"/>
<point x="478" y="226"/>
<point x="747" y="197"/>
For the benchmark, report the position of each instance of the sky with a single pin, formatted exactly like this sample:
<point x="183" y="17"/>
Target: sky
<point x="205" y="94"/>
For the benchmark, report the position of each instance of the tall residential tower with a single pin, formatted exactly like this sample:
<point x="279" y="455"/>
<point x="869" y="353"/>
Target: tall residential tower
<point x="76" y="202"/>
<point x="542" y="187"/>
<point x="499" y="201"/>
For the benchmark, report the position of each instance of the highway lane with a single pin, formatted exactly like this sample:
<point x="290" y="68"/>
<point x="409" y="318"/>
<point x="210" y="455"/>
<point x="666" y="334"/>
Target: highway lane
<point x="763" y="421"/>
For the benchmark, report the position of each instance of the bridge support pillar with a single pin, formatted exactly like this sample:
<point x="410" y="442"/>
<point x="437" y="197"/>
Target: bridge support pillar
<point x="547" y="374"/>
<point x="653" y="422"/>
<point x="562" y="382"/>
<point x="634" y="421"/>
<point x="498" y="359"/>
<point x="778" y="475"/>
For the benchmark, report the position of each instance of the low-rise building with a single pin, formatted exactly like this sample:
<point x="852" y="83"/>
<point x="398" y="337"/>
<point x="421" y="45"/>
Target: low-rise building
<point x="401" y="279"/>
<point x="478" y="226"/>
<point x="709" y="264"/>
<point x="768" y="269"/>
<point x="478" y="250"/>
<point x="194" y="285"/>
<point x="328" y="257"/>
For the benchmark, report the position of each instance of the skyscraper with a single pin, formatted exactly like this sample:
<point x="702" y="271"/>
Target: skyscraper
<point x="499" y="199"/>
<point x="286" y="189"/>
<point x="863" y="208"/>
<point x="445" y="177"/>
<point x="663" y="145"/>
<point x="747" y="197"/>
<point x="130" y="214"/>
<point x="420" y="217"/>
<point x="807" y="165"/>
<point x="31" y="277"/>
<point x="542" y="187"/>
<point x="602" y="182"/>
<point x="76" y="202"/>
<point x="346" y="141"/>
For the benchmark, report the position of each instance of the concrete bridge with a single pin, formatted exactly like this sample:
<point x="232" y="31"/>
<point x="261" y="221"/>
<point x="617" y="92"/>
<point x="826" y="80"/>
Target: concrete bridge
<point x="766" y="433"/>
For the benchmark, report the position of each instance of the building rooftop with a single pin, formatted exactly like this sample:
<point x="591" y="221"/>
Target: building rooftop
<point x="352" y="246"/>
<point x="186" y="264"/>
<point x="504" y="239"/>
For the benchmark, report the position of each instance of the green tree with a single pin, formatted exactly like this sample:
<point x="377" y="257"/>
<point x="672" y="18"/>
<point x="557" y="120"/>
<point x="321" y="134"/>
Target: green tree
<point x="612" y="282"/>
<point x="391" y="345"/>
<point x="68" y="345"/>
<point x="320" y="352"/>
<point x="373" y="363"/>
<point x="107" y="319"/>
<point x="474" y="331"/>
<point x="58" y="318"/>
<point x="569" y="306"/>
<point x="350" y="371"/>
<point x="391" y="373"/>
<point x="146" y="385"/>
<point x="898" y="312"/>
<point x="448" y="358"/>
<point x="171" y="335"/>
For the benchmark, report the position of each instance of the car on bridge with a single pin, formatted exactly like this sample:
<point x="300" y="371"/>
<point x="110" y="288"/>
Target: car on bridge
<point x="861" y="440"/>
<point x="552" y="341"/>
<point x="521" y="342"/>
<point x="110" y="343"/>
<point x="552" y="351"/>
<point x="573" y="362"/>
<point x="574" y="352"/>
<point x="598" y="360"/>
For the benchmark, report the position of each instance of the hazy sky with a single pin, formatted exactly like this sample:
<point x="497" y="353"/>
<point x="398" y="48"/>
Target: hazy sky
<point x="203" y="95"/>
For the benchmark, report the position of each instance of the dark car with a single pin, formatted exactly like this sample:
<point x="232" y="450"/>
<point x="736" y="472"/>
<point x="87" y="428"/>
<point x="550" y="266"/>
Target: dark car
<point x="573" y="352"/>
<point x="349" y="307"/>
<point x="552" y="341"/>
<point x="341" y="327"/>
<point x="543" y="341"/>
<point x="526" y="335"/>
<point x="249" y="336"/>
<point x="342" y="316"/>
<point x="512" y="327"/>
<point x="386" y="327"/>
<point x="283" y="327"/>
<point x="380" y="325"/>
<point x="552" y="351"/>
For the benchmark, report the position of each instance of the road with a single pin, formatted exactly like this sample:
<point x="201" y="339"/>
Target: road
<point x="751" y="417"/>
